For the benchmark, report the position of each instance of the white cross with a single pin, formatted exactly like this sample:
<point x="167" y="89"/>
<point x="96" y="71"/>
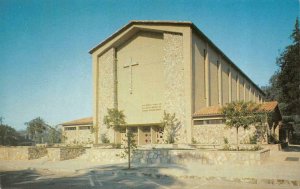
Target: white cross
<point x="130" y="65"/>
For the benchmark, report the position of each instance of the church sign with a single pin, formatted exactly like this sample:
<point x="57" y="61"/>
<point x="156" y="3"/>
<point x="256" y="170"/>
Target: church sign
<point x="151" y="107"/>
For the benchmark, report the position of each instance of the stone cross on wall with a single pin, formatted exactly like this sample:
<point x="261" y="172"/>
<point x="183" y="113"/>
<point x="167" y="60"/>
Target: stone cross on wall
<point x="130" y="65"/>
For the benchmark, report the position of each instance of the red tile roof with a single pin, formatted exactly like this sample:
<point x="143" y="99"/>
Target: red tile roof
<point x="269" y="106"/>
<point x="216" y="110"/>
<point x="83" y="121"/>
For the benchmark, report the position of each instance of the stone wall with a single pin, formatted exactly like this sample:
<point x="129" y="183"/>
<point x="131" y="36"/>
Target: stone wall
<point x="103" y="155"/>
<point x="163" y="156"/>
<point x="58" y="154"/>
<point x="37" y="152"/>
<point x="105" y="90"/>
<point x="215" y="134"/>
<point x="152" y="157"/>
<point x="22" y="153"/>
<point x="174" y="80"/>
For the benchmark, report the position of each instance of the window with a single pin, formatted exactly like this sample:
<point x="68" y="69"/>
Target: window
<point x="133" y="129"/>
<point x="209" y="122"/>
<point x="84" y="127"/>
<point x="70" y="128"/>
<point x="146" y="129"/>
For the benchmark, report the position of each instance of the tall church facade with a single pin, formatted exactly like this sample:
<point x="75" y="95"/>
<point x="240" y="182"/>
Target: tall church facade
<point x="148" y="67"/>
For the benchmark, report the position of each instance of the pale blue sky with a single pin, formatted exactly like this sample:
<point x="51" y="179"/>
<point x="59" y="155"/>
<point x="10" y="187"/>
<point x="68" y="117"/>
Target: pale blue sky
<point x="46" y="68"/>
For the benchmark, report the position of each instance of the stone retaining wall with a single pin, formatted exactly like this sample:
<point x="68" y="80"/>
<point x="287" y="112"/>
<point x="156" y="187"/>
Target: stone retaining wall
<point x="103" y="155"/>
<point x="58" y="154"/>
<point x="163" y="156"/>
<point x="149" y="157"/>
<point x="141" y="157"/>
<point x="22" y="152"/>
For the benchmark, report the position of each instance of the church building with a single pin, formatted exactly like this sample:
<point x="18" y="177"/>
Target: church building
<point x="148" y="67"/>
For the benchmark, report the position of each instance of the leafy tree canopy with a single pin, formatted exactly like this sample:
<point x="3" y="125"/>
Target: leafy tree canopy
<point x="241" y="115"/>
<point x="35" y="128"/>
<point x="114" y="119"/>
<point x="285" y="83"/>
<point x="8" y="135"/>
<point x="171" y="126"/>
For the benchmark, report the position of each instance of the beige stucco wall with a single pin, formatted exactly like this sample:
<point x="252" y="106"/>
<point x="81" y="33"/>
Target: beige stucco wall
<point x="205" y="78"/>
<point x="144" y="104"/>
<point x="213" y="77"/>
<point x="225" y="83"/>
<point x="198" y="72"/>
<point x="241" y="88"/>
<point x="233" y="85"/>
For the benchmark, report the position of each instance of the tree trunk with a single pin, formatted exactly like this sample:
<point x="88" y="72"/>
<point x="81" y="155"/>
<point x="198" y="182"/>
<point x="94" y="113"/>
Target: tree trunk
<point x="237" y="138"/>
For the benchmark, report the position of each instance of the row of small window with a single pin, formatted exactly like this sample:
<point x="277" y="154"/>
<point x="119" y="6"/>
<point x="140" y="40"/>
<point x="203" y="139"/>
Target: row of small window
<point x="80" y="128"/>
<point x="209" y="122"/>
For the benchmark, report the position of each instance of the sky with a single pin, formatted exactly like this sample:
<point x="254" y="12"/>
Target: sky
<point x="46" y="70"/>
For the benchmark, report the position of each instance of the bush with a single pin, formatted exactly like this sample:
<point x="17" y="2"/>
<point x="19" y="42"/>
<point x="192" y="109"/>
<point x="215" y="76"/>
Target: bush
<point x="273" y="139"/>
<point x="225" y="140"/>
<point x="253" y="139"/>
<point x="104" y="139"/>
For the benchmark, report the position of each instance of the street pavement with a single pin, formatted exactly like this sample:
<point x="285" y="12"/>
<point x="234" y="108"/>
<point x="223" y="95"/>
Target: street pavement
<point x="29" y="179"/>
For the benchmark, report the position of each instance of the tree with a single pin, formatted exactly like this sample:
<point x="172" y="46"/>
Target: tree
<point x="241" y="115"/>
<point x="272" y="91"/>
<point x="54" y="135"/>
<point x="8" y="135"/>
<point x="1" y="120"/>
<point x="115" y="119"/>
<point x="289" y="74"/>
<point x="35" y="129"/>
<point x="171" y="126"/>
<point x="129" y="147"/>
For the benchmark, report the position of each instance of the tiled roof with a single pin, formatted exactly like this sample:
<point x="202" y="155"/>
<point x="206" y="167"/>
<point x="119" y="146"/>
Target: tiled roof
<point x="83" y="121"/>
<point x="269" y="106"/>
<point x="216" y="110"/>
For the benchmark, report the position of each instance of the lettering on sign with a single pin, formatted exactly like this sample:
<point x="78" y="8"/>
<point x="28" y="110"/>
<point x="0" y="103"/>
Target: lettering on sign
<point x="151" y="107"/>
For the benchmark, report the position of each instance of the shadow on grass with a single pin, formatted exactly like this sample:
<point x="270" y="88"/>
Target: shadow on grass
<point x="108" y="177"/>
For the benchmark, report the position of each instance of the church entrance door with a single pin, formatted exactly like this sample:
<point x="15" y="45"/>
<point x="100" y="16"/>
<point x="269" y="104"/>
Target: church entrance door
<point x="144" y="135"/>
